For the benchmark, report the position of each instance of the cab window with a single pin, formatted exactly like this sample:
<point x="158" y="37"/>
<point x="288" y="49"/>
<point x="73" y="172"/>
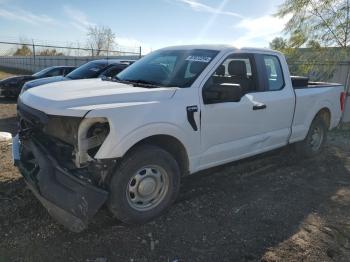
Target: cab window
<point x="55" y="72"/>
<point x="67" y="70"/>
<point x="238" y="70"/>
<point x="113" y="71"/>
<point x="274" y="73"/>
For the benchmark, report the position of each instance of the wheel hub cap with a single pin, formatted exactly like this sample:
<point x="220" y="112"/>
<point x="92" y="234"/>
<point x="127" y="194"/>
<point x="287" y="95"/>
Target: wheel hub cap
<point x="316" y="139"/>
<point x="147" y="188"/>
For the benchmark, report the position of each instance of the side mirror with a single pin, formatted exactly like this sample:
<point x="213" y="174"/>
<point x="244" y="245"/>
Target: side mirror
<point x="220" y="93"/>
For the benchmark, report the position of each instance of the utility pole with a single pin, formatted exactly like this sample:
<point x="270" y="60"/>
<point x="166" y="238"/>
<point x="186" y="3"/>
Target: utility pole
<point x="33" y="52"/>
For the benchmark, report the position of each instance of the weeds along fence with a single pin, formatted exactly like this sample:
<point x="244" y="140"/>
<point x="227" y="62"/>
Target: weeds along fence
<point x="34" y="57"/>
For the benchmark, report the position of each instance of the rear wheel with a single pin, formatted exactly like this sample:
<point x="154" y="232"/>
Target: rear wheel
<point x="315" y="139"/>
<point x="146" y="182"/>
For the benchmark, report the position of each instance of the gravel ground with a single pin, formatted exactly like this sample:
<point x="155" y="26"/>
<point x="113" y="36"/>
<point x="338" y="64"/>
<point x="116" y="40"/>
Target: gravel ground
<point x="274" y="207"/>
<point x="4" y="75"/>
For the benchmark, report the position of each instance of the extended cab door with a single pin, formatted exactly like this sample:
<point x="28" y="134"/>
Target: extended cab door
<point x="259" y="121"/>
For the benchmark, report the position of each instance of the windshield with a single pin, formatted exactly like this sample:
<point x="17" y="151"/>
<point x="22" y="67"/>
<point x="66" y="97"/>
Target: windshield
<point x="177" y="68"/>
<point x="88" y="70"/>
<point x="42" y="72"/>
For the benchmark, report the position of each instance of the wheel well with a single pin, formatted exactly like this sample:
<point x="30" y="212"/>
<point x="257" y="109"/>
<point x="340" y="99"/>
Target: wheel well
<point x="326" y="116"/>
<point x="170" y="144"/>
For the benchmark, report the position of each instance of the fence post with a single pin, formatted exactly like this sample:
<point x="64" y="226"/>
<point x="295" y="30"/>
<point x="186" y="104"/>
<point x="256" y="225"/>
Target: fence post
<point x="140" y="51"/>
<point x="347" y="90"/>
<point x="107" y="49"/>
<point x="33" y="53"/>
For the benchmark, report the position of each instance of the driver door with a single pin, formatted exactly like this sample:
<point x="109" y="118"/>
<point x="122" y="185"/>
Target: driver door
<point x="234" y="130"/>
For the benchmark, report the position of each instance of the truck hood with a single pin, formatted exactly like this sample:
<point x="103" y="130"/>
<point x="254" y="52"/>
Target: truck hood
<point x="43" y="81"/>
<point x="76" y="98"/>
<point x="17" y="78"/>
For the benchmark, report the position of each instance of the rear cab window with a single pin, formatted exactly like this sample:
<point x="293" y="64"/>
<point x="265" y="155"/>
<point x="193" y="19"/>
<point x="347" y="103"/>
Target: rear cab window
<point x="274" y="73"/>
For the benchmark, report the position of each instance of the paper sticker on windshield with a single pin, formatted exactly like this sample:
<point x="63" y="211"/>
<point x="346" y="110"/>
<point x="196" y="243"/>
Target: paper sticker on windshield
<point x="194" y="58"/>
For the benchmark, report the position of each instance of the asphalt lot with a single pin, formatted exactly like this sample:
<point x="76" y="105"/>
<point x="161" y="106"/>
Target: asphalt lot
<point x="274" y="207"/>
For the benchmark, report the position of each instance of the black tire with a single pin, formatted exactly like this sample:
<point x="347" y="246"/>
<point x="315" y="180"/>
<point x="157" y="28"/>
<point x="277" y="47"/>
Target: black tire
<point x="306" y="148"/>
<point x="142" y="157"/>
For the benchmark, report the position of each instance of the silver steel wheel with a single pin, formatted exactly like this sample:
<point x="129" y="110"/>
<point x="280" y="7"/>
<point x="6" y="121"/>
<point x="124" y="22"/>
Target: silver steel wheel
<point x="316" y="138"/>
<point x="147" y="188"/>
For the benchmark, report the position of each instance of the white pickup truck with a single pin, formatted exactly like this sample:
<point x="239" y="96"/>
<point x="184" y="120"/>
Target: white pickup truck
<point x="127" y="141"/>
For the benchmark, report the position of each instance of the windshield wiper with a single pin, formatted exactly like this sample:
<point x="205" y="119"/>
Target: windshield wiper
<point x="136" y="83"/>
<point x="116" y="79"/>
<point x="144" y="83"/>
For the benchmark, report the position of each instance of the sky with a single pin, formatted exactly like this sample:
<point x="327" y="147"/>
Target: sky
<point x="151" y="24"/>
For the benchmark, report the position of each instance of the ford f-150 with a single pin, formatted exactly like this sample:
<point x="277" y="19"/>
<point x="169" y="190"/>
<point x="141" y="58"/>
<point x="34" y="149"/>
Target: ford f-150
<point x="128" y="141"/>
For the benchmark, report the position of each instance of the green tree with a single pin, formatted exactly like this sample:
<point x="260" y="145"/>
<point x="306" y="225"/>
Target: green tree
<point x="326" y="21"/>
<point x="278" y="43"/>
<point x="313" y="44"/>
<point x="323" y="26"/>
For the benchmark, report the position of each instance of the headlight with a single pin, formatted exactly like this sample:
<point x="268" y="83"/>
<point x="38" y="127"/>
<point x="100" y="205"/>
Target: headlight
<point x="24" y="88"/>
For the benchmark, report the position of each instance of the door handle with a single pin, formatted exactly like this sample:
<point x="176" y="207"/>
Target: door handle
<point x="259" y="107"/>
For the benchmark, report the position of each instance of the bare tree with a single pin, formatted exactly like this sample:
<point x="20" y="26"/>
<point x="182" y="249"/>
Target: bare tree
<point x="100" y="39"/>
<point x="50" y="52"/>
<point x="24" y="50"/>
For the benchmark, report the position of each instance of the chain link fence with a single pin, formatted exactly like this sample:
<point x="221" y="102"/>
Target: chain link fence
<point x="34" y="57"/>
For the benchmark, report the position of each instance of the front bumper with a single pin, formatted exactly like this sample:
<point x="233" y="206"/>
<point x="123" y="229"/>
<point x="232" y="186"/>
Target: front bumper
<point x="71" y="201"/>
<point x="7" y="91"/>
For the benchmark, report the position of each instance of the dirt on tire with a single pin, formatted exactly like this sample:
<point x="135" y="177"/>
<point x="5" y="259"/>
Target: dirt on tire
<point x="273" y="207"/>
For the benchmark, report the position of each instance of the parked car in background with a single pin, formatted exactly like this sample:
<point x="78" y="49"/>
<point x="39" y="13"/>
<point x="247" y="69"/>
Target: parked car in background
<point x="128" y="141"/>
<point x="11" y="87"/>
<point x="93" y="69"/>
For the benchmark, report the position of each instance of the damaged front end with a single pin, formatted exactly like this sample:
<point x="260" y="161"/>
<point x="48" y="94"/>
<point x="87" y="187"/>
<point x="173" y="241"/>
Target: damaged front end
<point x="56" y="156"/>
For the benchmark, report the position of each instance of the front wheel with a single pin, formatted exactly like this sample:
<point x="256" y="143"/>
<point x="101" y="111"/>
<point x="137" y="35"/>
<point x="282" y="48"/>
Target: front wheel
<point x="146" y="182"/>
<point x="315" y="139"/>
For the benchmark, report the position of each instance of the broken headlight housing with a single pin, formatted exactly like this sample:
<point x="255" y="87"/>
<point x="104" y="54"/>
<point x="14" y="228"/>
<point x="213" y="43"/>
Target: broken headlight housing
<point x="85" y="135"/>
<point x="91" y="134"/>
<point x="64" y="128"/>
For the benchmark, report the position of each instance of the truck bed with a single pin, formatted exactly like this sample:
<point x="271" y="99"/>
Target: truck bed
<point x="300" y="82"/>
<point x="309" y="100"/>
